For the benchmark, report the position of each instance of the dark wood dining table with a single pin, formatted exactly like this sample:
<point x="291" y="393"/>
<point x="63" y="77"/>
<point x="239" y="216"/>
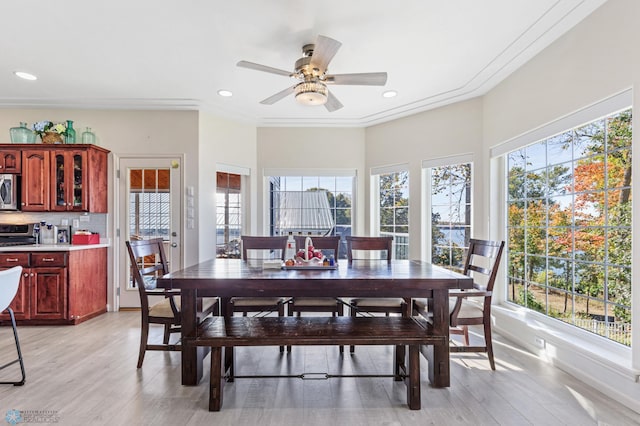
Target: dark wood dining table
<point x="227" y="278"/>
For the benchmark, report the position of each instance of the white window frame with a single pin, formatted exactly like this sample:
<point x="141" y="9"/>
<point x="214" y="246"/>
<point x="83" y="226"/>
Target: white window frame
<point x="625" y="360"/>
<point x="312" y="172"/>
<point x="245" y="201"/>
<point x="427" y="165"/>
<point x="374" y="222"/>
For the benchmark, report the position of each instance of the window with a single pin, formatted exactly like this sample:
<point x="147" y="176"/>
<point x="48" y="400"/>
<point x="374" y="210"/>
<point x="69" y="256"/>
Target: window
<point x="394" y="210"/>
<point x="450" y="214"/>
<point x="149" y="203"/>
<point x="312" y="205"/>
<point x="569" y="226"/>
<point x="228" y="215"/>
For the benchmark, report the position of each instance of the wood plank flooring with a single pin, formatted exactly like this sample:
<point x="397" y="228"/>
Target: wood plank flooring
<point x="86" y="375"/>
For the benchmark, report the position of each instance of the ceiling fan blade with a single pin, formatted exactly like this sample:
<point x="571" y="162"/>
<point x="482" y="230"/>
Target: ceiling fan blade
<point x="333" y="104"/>
<point x="361" y="79"/>
<point x="280" y="95"/>
<point x="323" y="52"/>
<point x="258" y="67"/>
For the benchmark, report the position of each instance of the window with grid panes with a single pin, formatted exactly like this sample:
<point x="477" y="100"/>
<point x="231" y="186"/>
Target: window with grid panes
<point x="228" y="215"/>
<point x="293" y="210"/>
<point x="569" y="226"/>
<point x="394" y="210"/>
<point x="450" y="214"/>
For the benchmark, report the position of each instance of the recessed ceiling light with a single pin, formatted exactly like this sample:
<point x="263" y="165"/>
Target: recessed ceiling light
<point x="389" y="94"/>
<point x="225" y="93"/>
<point x="25" y="75"/>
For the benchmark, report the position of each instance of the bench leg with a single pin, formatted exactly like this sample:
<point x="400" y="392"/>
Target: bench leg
<point x="216" y="383"/>
<point x="413" y="385"/>
<point x="399" y="365"/>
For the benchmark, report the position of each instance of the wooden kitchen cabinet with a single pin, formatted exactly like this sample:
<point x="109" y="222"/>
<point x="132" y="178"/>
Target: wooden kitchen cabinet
<point x="35" y="180"/>
<point x="69" y="177"/>
<point x="10" y="161"/>
<point x="63" y="178"/>
<point x="78" y="178"/>
<point x="48" y="284"/>
<point x="62" y="287"/>
<point x="48" y="293"/>
<point x="21" y="302"/>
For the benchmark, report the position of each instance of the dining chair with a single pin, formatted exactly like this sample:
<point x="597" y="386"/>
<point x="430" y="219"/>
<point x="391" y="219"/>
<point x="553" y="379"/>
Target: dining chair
<point x="275" y="247"/>
<point x="481" y="263"/>
<point x="365" y="247"/>
<point x="148" y="262"/>
<point x="297" y="305"/>
<point x="9" y="283"/>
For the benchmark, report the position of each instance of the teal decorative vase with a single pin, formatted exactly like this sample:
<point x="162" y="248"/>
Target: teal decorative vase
<point x="88" y="137"/>
<point x="22" y="134"/>
<point x="71" y="133"/>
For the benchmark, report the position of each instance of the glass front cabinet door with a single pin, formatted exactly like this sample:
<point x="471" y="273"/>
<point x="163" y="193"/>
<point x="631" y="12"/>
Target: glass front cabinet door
<point x="70" y="181"/>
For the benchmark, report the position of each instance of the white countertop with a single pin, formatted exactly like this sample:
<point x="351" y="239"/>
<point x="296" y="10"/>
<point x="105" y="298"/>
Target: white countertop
<point x="52" y="247"/>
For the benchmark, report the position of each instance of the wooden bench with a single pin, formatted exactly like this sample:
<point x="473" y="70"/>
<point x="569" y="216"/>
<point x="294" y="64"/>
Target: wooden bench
<point x="219" y="332"/>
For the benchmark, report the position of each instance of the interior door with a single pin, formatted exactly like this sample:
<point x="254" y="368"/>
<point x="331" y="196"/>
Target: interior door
<point x="149" y="207"/>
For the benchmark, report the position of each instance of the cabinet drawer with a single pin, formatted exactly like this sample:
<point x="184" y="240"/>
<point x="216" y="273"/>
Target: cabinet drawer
<point x="9" y="260"/>
<point x="45" y="259"/>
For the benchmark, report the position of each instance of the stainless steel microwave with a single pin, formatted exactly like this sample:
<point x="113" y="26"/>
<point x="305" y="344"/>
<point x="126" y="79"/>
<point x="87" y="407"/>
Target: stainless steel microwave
<point x="8" y="192"/>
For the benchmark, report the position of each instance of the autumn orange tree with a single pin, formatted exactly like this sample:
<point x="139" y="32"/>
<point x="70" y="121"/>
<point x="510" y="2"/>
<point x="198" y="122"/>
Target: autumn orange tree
<point x="570" y="223"/>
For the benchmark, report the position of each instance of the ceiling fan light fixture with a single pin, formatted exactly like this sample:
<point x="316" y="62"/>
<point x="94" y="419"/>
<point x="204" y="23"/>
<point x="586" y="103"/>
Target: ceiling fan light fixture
<point x="311" y="93"/>
<point x="25" y="75"/>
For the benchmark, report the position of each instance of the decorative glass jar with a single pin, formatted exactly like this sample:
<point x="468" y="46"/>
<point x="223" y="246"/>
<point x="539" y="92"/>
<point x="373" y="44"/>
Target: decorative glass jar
<point x="22" y="134"/>
<point x="88" y="137"/>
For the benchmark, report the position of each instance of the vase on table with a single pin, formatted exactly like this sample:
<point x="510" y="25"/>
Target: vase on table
<point x="51" y="137"/>
<point x="71" y="133"/>
<point x="22" y="134"/>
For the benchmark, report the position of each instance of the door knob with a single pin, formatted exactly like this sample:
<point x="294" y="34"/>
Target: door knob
<point x="174" y="244"/>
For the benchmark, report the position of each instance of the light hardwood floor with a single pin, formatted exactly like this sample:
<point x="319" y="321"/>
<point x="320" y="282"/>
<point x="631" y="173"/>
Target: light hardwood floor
<point x="86" y="375"/>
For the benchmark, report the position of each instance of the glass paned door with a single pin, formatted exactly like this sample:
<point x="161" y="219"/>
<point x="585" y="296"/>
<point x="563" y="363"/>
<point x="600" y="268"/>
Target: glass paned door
<point x="150" y="208"/>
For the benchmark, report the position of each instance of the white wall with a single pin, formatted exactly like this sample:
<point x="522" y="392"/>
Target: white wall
<point x="598" y="58"/>
<point x="451" y="130"/>
<point x="230" y="143"/>
<point x="311" y="148"/>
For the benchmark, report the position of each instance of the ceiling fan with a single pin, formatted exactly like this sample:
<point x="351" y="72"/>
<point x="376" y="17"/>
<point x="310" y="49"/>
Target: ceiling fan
<point x="311" y="71"/>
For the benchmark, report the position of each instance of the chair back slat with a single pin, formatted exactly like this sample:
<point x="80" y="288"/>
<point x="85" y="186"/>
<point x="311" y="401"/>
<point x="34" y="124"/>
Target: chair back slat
<point x="263" y="243"/>
<point x="369" y="244"/>
<point x="143" y="253"/>
<point x="481" y="263"/>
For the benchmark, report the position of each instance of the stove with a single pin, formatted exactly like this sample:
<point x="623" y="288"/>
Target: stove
<point x="17" y="235"/>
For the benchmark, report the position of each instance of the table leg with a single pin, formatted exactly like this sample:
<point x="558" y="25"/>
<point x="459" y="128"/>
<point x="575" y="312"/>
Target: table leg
<point x="413" y="382"/>
<point x="191" y="356"/>
<point x="438" y="355"/>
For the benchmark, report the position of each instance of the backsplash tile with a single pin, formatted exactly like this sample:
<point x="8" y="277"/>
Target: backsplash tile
<point x="97" y="221"/>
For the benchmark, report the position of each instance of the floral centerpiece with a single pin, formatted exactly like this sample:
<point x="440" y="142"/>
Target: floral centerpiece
<point x="49" y="131"/>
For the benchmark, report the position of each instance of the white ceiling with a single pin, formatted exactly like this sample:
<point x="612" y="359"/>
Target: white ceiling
<point x="160" y="54"/>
